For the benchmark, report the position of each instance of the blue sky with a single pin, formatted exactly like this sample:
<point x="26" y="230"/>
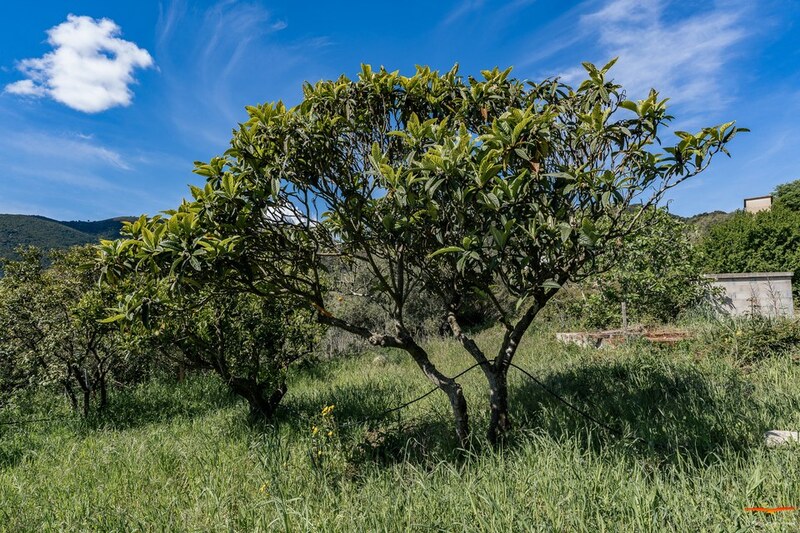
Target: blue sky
<point x="101" y="118"/>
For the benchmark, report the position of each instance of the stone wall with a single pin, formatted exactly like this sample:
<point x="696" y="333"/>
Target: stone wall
<point x="764" y="293"/>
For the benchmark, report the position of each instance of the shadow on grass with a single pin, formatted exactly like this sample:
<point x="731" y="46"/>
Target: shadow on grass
<point x="162" y="401"/>
<point x="372" y="435"/>
<point x="158" y="401"/>
<point x="669" y="411"/>
<point x="666" y="410"/>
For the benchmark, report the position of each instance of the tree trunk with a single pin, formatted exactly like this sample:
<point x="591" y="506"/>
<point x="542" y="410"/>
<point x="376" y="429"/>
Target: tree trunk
<point x="460" y="414"/>
<point x="73" y="400"/>
<point x="83" y="381"/>
<point x="87" y="396"/>
<point x="449" y="386"/>
<point x="500" y="421"/>
<point x="263" y="400"/>
<point x="103" y="391"/>
<point x="404" y="341"/>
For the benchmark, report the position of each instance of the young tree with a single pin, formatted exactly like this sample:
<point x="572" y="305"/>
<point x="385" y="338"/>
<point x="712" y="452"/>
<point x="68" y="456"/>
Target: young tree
<point x="466" y="187"/>
<point x="50" y="319"/>
<point x="246" y="340"/>
<point x="787" y="195"/>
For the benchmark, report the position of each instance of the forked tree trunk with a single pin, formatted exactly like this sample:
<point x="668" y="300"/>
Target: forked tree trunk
<point x="261" y="397"/>
<point x="81" y="378"/>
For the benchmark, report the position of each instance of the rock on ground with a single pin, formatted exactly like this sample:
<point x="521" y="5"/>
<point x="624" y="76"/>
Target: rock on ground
<point x="777" y="437"/>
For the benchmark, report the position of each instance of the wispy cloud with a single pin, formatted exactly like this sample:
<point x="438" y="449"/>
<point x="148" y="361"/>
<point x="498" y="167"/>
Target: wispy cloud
<point x="493" y="16"/>
<point x="63" y="174"/>
<point x="69" y="148"/>
<point x="462" y="9"/>
<point x="168" y="18"/>
<point x="212" y="72"/>
<point x="90" y="68"/>
<point x="660" y="45"/>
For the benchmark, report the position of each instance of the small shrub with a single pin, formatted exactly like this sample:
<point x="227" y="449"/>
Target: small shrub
<point x="753" y="338"/>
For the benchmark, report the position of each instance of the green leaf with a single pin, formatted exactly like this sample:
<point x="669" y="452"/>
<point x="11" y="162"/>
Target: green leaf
<point x="521" y="152"/>
<point x="115" y="318"/>
<point x="608" y="65"/>
<point x="446" y="250"/>
<point x="566" y="231"/>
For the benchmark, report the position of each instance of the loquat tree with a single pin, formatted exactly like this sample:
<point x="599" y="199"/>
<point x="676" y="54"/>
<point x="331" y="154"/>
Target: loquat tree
<point x="467" y="187"/>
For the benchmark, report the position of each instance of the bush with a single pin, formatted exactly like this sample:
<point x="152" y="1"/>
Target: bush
<point x="752" y="338"/>
<point x="657" y="275"/>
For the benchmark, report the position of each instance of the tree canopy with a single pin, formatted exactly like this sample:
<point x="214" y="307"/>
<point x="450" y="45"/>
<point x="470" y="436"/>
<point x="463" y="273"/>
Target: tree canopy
<point x="51" y="326"/>
<point x="788" y="195"/>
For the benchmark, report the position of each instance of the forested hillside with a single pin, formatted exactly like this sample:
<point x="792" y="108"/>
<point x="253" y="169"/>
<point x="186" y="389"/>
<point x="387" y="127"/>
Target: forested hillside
<point x="46" y="233"/>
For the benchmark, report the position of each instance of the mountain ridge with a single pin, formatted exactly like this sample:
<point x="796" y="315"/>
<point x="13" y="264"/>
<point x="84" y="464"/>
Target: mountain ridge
<point x="48" y="234"/>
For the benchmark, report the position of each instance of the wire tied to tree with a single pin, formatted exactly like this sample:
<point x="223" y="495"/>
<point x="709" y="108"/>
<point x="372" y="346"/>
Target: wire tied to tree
<point x="619" y="434"/>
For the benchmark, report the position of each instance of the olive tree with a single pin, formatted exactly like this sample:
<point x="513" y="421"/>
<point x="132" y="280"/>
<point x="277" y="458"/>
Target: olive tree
<point x="468" y="187"/>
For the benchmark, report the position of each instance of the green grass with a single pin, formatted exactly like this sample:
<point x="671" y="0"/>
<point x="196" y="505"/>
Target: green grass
<point x="182" y="457"/>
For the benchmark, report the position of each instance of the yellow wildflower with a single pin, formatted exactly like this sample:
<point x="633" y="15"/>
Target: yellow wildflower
<point x="314" y="430"/>
<point x="330" y="433"/>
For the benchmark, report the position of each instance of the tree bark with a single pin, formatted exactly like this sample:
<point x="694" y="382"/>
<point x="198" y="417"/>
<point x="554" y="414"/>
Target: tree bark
<point x="103" y="391"/>
<point x="73" y="400"/>
<point x="87" y="396"/>
<point x="500" y="420"/>
<point x="448" y="385"/>
<point x="83" y="382"/>
<point x="460" y="414"/>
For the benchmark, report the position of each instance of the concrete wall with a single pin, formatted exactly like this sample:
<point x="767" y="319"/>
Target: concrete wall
<point x="764" y="293"/>
<point x="754" y="205"/>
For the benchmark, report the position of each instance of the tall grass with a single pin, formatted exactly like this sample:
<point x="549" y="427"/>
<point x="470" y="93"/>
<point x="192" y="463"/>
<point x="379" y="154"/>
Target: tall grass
<point x="182" y="457"/>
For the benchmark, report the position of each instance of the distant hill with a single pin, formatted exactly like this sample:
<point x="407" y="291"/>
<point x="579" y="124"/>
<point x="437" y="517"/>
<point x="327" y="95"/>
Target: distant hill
<point x="703" y="221"/>
<point x="48" y="234"/>
<point x="104" y="229"/>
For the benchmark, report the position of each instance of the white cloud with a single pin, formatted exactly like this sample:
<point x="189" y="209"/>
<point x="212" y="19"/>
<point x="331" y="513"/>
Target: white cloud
<point x="90" y="68"/>
<point x="26" y="87"/>
<point x="659" y="44"/>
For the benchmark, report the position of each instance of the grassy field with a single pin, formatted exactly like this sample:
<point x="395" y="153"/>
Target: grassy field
<point x="182" y="457"/>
